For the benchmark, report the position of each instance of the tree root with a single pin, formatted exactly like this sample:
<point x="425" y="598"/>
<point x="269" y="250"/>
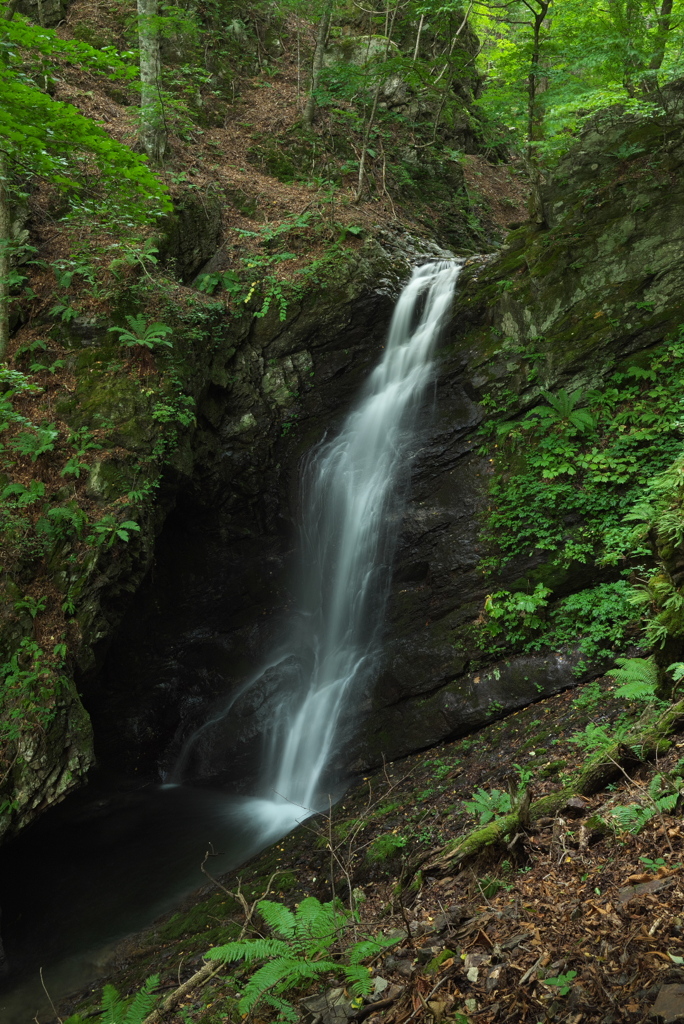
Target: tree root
<point x="594" y="776"/>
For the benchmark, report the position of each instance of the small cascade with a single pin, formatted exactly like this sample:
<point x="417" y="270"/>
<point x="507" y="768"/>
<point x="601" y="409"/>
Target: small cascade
<point x="351" y="491"/>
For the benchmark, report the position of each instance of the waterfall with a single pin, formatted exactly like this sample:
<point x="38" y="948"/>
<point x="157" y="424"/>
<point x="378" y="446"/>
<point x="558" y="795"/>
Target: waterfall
<point x="351" y="512"/>
<point x="351" y="498"/>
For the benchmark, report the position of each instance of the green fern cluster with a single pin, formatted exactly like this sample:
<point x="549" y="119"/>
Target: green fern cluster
<point x="117" y="1010"/>
<point x="300" y="950"/>
<point x="663" y="794"/>
<point x="638" y="678"/>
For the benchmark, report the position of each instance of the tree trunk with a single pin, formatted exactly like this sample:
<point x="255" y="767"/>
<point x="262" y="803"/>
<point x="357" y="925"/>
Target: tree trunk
<point x="5" y="230"/>
<point x="650" y="80"/>
<point x="371" y="119"/>
<point x="153" y="133"/>
<point x="321" y="36"/>
<point x="534" y="113"/>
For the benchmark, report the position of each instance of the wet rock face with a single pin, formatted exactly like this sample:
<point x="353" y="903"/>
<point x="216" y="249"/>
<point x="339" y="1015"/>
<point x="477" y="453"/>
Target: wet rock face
<point x="212" y="605"/>
<point x="601" y="278"/>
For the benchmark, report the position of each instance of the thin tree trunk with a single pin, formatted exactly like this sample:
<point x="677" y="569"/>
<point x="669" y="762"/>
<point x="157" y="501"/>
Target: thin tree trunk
<point x="371" y="119"/>
<point x="650" y="81"/>
<point x="534" y="116"/>
<point x="364" y="147"/>
<point x="321" y="36"/>
<point x="418" y="35"/>
<point x="5" y="231"/>
<point x="152" y="126"/>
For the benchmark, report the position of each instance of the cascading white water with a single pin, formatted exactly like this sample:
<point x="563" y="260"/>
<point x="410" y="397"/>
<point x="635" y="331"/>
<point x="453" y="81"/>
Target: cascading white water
<point x="351" y="501"/>
<point x="350" y="498"/>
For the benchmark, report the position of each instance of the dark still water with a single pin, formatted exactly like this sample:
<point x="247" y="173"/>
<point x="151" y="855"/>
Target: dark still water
<point x="99" y="868"/>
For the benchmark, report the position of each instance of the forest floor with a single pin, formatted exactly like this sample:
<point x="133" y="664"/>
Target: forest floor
<point x="571" y="921"/>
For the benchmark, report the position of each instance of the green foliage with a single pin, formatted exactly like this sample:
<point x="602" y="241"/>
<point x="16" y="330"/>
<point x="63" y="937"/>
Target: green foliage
<point x="516" y="615"/>
<point x="385" y="847"/>
<point x="488" y="805"/>
<point x="117" y="1010"/>
<point x="306" y="945"/>
<point x="590" y="56"/>
<point x="562" y="409"/>
<point x="662" y="795"/>
<point x="596" y="737"/>
<point x="638" y="678"/>
<point x="563" y="982"/>
<point x="597" y="620"/>
<point x="108" y="529"/>
<point x="35" y="440"/>
<point x="653" y="865"/>
<point x="590" y="696"/>
<point x="589" y="476"/>
<point x="52" y="139"/>
<point x="29" y="683"/>
<point x="139" y="332"/>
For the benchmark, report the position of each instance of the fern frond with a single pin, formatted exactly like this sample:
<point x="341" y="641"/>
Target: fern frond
<point x="278" y="918"/>
<point x="638" y="678"/>
<point x="137" y="323"/>
<point x="632" y="817"/>
<point x="285" y="1009"/>
<point x="318" y="920"/>
<point x="249" y="951"/>
<point x="143" y="1002"/>
<point x="113" y="1007"/>
<point x="668" y="802"/>
<point x="369" y="947"/>
<point x="359" y="980"/>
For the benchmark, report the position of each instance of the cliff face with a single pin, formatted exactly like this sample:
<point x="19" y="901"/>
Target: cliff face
<point x="175" y="618"/>
<point x="594" y="286"/>
<point x="583" y="293"/>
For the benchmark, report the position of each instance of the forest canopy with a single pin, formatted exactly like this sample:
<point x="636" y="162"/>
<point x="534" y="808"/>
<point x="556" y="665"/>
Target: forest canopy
<point x="549" y="64"/>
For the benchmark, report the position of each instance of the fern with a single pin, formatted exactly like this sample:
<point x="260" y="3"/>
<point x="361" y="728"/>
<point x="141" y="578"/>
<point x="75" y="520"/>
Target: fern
<point x="488" y="805"/>
<point x="117" y="1010"/>
<point x="638" y="678"/>
<point x="301" y="953"/>
<point x="249" y="951"/>
<point x="632" y="817"/>
<point x="594" y="737"/>
<point x="663" y="793"/>
<point x="278" y="918"/>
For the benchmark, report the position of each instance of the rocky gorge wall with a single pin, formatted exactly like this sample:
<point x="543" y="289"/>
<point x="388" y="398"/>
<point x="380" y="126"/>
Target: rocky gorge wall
<point x="584" y="294"/>
<point x="193" y="602"/>
<point x="596" y="283"/>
